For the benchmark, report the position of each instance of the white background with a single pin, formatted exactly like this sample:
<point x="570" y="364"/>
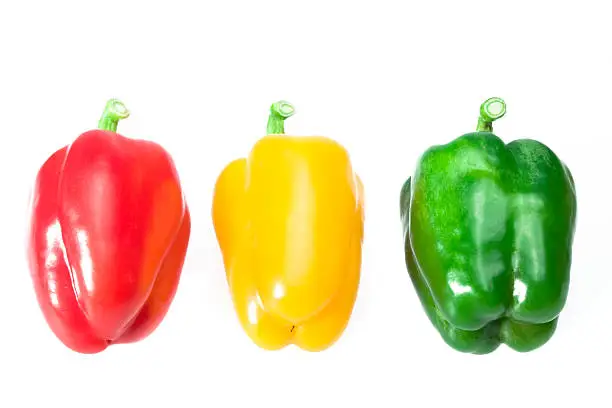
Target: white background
<point x="386" y="79"/>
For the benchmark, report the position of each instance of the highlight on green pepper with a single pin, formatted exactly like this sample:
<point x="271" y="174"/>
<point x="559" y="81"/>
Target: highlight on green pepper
<point x="488" y="233"/>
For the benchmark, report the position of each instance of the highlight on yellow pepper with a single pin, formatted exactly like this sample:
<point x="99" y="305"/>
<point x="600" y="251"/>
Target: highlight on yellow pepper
<point x="289" y="222"/>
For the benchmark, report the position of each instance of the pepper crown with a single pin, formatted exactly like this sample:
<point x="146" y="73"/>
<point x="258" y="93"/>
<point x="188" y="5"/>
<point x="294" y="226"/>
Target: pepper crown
<point x="490" y="110"/>
<point x="279" y="111"/>
<point x="114" y="111"/>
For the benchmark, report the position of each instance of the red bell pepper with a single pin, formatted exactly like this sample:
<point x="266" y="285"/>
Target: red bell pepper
<point x="109" y="231"/>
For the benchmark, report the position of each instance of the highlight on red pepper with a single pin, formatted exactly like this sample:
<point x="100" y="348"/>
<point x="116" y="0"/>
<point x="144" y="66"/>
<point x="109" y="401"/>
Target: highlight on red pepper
<point x="108" y="232"/>
<point x="289" y="222"/>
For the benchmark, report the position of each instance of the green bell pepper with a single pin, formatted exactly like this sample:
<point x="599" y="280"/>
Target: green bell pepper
<point x="488" y="233"/>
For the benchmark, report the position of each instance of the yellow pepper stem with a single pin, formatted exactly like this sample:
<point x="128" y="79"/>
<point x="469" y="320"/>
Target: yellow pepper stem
<point x="279" y="111"/>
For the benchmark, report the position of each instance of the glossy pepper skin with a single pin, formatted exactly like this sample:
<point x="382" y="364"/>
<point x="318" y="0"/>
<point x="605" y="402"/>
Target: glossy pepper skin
<point x="289" y="222"/>
<point x="488" y="233"/>
<point x="108" y="233"/>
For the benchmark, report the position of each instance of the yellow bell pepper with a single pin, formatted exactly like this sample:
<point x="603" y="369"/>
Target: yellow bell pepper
<point x="289" y="222"/>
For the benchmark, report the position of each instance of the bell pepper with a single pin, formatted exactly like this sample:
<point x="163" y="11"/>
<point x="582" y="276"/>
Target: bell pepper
<point x="488" y="232"/>
<point x="108" y="232"/>
<point x="289" y="222"/>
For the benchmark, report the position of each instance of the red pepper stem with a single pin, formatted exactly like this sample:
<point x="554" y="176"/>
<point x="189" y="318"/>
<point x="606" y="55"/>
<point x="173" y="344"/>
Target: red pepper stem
<point x="279" y="111"/>
<point x="114" y="111"/>
<point x="490" y="110"/>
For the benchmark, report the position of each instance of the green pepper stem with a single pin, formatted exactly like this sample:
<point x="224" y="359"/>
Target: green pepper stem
<point x="279" y="111"/>
<point x="114" y="111"/>
<point x="490" y="110"/>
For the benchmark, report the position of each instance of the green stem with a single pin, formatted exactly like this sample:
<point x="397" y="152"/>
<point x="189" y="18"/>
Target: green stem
<point x="279" y="111"/>
<point x="114" y="111"/>
<point x="490" y="110"/>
